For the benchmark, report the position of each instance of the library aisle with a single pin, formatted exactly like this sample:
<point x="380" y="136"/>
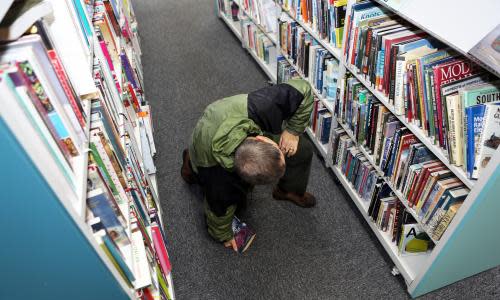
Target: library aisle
<point x="190" y="59"/>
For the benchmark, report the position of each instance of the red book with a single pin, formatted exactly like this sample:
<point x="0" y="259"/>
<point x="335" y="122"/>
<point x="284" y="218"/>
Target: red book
<point x="405" y="142"/>
<point x="135" y="102"/>
<point x="161" y="250"/>
<point x="353" y="50"/>
<point x="315" y="113"/>
<point x="68" y="90"/>
<point x="446" y="73"/>
<point x="418" y="180"/>
<point x="425" y="177"/>
<point x="411" y="95"/>
<point x="385" y="82"/>
<point x="146" y="294"/>
<point x="104" y="49"/>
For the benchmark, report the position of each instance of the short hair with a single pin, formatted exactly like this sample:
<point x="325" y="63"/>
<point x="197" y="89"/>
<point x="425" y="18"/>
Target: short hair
<point x="258" y="162"/>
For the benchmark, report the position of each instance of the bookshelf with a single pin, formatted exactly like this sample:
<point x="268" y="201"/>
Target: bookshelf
<point x="224" y="13"/>
<point x="61" y="220"/>
<point x="463" y="250"/>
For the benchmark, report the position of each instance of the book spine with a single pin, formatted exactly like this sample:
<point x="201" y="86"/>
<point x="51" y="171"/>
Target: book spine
<point x="68" y="90"/>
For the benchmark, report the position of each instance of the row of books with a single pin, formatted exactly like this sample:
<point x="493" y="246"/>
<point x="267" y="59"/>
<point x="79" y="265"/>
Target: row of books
<point x="321" y="122"/>
<point x="317" y="65"/>
<point x="43" y="89"/>
<point x="264" y="12"/>
<point x="383" y="207"/>
<point x="122" y="204"/>
<point x="285" y="71"/>
<point x="253" y="38"/>
<point x="397" y="154"/>
<point x="429" y="84"/>
<point x="326" y="17"/>
<point x="121" y="207"/>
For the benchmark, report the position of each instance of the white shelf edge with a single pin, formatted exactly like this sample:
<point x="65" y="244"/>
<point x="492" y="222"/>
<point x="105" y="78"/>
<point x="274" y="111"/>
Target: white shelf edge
<point x="407" y="265"/>
<point x="438" y="152"/>
<point x="336" y="52"/>
<point x="321" y="148"/>
<point x="230" y="24"/>
<point x="267" y="68"/>
<point x="84" y="159"/>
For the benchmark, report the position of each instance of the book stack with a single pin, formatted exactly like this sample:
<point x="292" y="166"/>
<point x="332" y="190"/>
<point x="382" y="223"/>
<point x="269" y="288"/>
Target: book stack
<point x="285" y="71"/>
<point x="382" y="206"/>
<point x="255" y="40"/>
<point x="315" y="63"/>
<point x="325" y="17"/>
<point x="423" y="81"/>
<point x="321" y="121"/>
<point x="264" y="14"/>
<point x="407" y="166"/>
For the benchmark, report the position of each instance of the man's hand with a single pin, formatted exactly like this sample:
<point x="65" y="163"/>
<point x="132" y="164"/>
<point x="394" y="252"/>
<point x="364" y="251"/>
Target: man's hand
<point x="231" y="244"/>
<point x="289" y="143"/>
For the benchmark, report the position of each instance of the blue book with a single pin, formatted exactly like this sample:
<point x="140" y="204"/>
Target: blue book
<point x="106" y="209"/>
<point x="422" y="154"/>
<point x="319" y="77"/>
<point x="325" y="131"/>
<point x="475" y="124"/>
<point x="331" y="14"/>
<point x="140" y="208"/>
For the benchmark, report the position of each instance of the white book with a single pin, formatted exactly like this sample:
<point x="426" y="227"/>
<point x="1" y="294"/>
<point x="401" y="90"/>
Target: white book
<point x="399" y="96"/>
<point x="490" y="139"/>
<point x="140" y="265"/>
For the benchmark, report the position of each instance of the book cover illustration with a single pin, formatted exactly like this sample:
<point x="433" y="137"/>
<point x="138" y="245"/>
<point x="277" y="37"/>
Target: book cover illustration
<point x="490" y="139"/>
<point x="413" y="240"/>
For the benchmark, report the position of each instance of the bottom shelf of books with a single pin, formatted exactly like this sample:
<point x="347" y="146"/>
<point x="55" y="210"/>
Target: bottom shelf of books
<point x="122" y="209"/>
<point x="408" y="264"/>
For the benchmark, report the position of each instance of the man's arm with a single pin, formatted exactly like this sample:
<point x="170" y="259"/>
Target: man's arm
<point x="300" y="120"/>
<point x="291" y="102"/>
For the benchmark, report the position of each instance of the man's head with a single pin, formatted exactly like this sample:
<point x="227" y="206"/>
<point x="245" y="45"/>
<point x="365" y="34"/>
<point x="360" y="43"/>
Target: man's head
<point x="258" y="160"/>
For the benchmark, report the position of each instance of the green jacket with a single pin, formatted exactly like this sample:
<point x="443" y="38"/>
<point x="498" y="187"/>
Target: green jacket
<point x="226" y="123"/>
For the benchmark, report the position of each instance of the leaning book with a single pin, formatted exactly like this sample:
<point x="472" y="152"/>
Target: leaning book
<point x="490" y="139"/>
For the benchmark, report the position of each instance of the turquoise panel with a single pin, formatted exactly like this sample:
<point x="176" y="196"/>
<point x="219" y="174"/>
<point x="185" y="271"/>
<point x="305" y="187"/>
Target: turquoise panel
<point x="474" y="246"/>
<point x="43" y="254"/>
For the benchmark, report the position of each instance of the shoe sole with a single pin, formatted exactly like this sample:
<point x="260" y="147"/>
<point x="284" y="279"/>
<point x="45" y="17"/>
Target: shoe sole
<point x="249" y="243"/>
<point x="289" y="200"/>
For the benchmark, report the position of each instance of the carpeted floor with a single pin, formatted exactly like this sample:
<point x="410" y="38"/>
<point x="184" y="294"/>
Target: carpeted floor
<point x="190" y="59"/>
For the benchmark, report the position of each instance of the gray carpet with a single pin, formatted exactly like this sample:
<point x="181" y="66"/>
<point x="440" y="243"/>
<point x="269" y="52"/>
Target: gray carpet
<point x="190" y="59"/>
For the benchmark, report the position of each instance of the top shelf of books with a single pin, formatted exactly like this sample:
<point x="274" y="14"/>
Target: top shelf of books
<point x="462" y="26"/>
